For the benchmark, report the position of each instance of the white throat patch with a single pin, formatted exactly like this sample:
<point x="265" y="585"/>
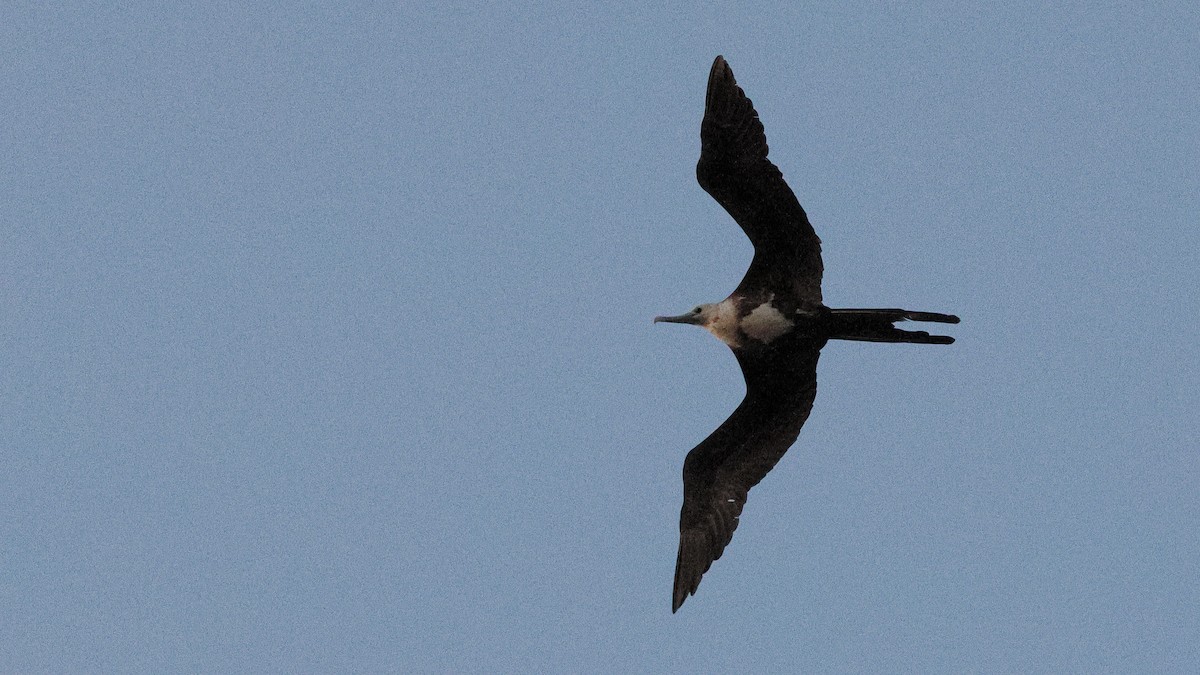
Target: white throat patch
<point x="766" y="323"/>
<point x="724" y="323"/>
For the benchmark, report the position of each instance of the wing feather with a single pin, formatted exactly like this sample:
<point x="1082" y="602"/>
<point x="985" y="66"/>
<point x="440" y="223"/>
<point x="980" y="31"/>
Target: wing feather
<point x="781" y="385"/>
<point x="734" y="169"/>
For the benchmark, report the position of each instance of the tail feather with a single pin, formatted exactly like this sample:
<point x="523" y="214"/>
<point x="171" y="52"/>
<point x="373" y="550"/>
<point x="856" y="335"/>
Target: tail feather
<point x="875" y="325"/>
<point x="898" y="315"/>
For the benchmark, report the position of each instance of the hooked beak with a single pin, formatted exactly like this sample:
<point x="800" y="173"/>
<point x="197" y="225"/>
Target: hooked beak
<point x="682" y="318"/>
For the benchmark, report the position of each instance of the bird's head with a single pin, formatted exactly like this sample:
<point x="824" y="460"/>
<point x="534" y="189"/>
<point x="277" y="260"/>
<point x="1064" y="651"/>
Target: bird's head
<point x="718" y="318"/>
<point x="701" y="315"/>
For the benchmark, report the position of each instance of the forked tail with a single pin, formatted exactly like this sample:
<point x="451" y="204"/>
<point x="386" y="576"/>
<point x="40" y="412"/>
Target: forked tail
<point x="875" y="325"/>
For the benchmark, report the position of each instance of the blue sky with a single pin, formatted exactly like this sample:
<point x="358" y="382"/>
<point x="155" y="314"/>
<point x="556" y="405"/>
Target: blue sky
<point x="325" y="338"/>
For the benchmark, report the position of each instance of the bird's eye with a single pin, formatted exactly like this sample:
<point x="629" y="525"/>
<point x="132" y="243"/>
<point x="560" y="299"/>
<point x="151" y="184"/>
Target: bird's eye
<point x="696" y="311"/>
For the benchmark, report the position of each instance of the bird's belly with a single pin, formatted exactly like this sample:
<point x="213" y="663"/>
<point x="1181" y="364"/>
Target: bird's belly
<point x="766" y="323"/>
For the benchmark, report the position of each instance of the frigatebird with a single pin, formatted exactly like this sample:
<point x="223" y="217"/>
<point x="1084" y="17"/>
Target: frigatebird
<point x="774" y="321"/>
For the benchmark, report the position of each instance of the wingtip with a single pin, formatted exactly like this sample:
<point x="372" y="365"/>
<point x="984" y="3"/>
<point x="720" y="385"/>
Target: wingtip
<point x="680" y="589"/>
<point x="678" y="592"/>
<point x="720" y="68"/>
<point x="681" y="594"/>
<point x="720" y="82"/>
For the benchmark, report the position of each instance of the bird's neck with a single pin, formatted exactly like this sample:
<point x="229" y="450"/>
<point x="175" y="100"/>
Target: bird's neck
<point x="724" y="322"/>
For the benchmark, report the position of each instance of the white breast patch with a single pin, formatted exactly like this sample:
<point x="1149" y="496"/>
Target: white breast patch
<point x="765" y="323"/>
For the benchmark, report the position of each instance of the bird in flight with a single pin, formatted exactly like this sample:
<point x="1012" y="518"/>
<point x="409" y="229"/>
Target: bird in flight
<point x="774" y="321"/>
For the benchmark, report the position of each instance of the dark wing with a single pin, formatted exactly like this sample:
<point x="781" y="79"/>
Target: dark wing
<point x="734" y="169"/>
<point x="781" y="385"/>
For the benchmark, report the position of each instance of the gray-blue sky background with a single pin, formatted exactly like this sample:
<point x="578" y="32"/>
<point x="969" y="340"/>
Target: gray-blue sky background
<point x="325" y="337"/>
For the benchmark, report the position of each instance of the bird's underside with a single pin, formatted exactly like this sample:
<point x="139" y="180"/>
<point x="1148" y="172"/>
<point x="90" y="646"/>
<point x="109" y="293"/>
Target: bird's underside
<point x="775" y="322"/>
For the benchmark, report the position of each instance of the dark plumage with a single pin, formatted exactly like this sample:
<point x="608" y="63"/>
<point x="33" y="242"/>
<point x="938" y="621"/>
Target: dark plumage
<point x="775" y="322"/>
